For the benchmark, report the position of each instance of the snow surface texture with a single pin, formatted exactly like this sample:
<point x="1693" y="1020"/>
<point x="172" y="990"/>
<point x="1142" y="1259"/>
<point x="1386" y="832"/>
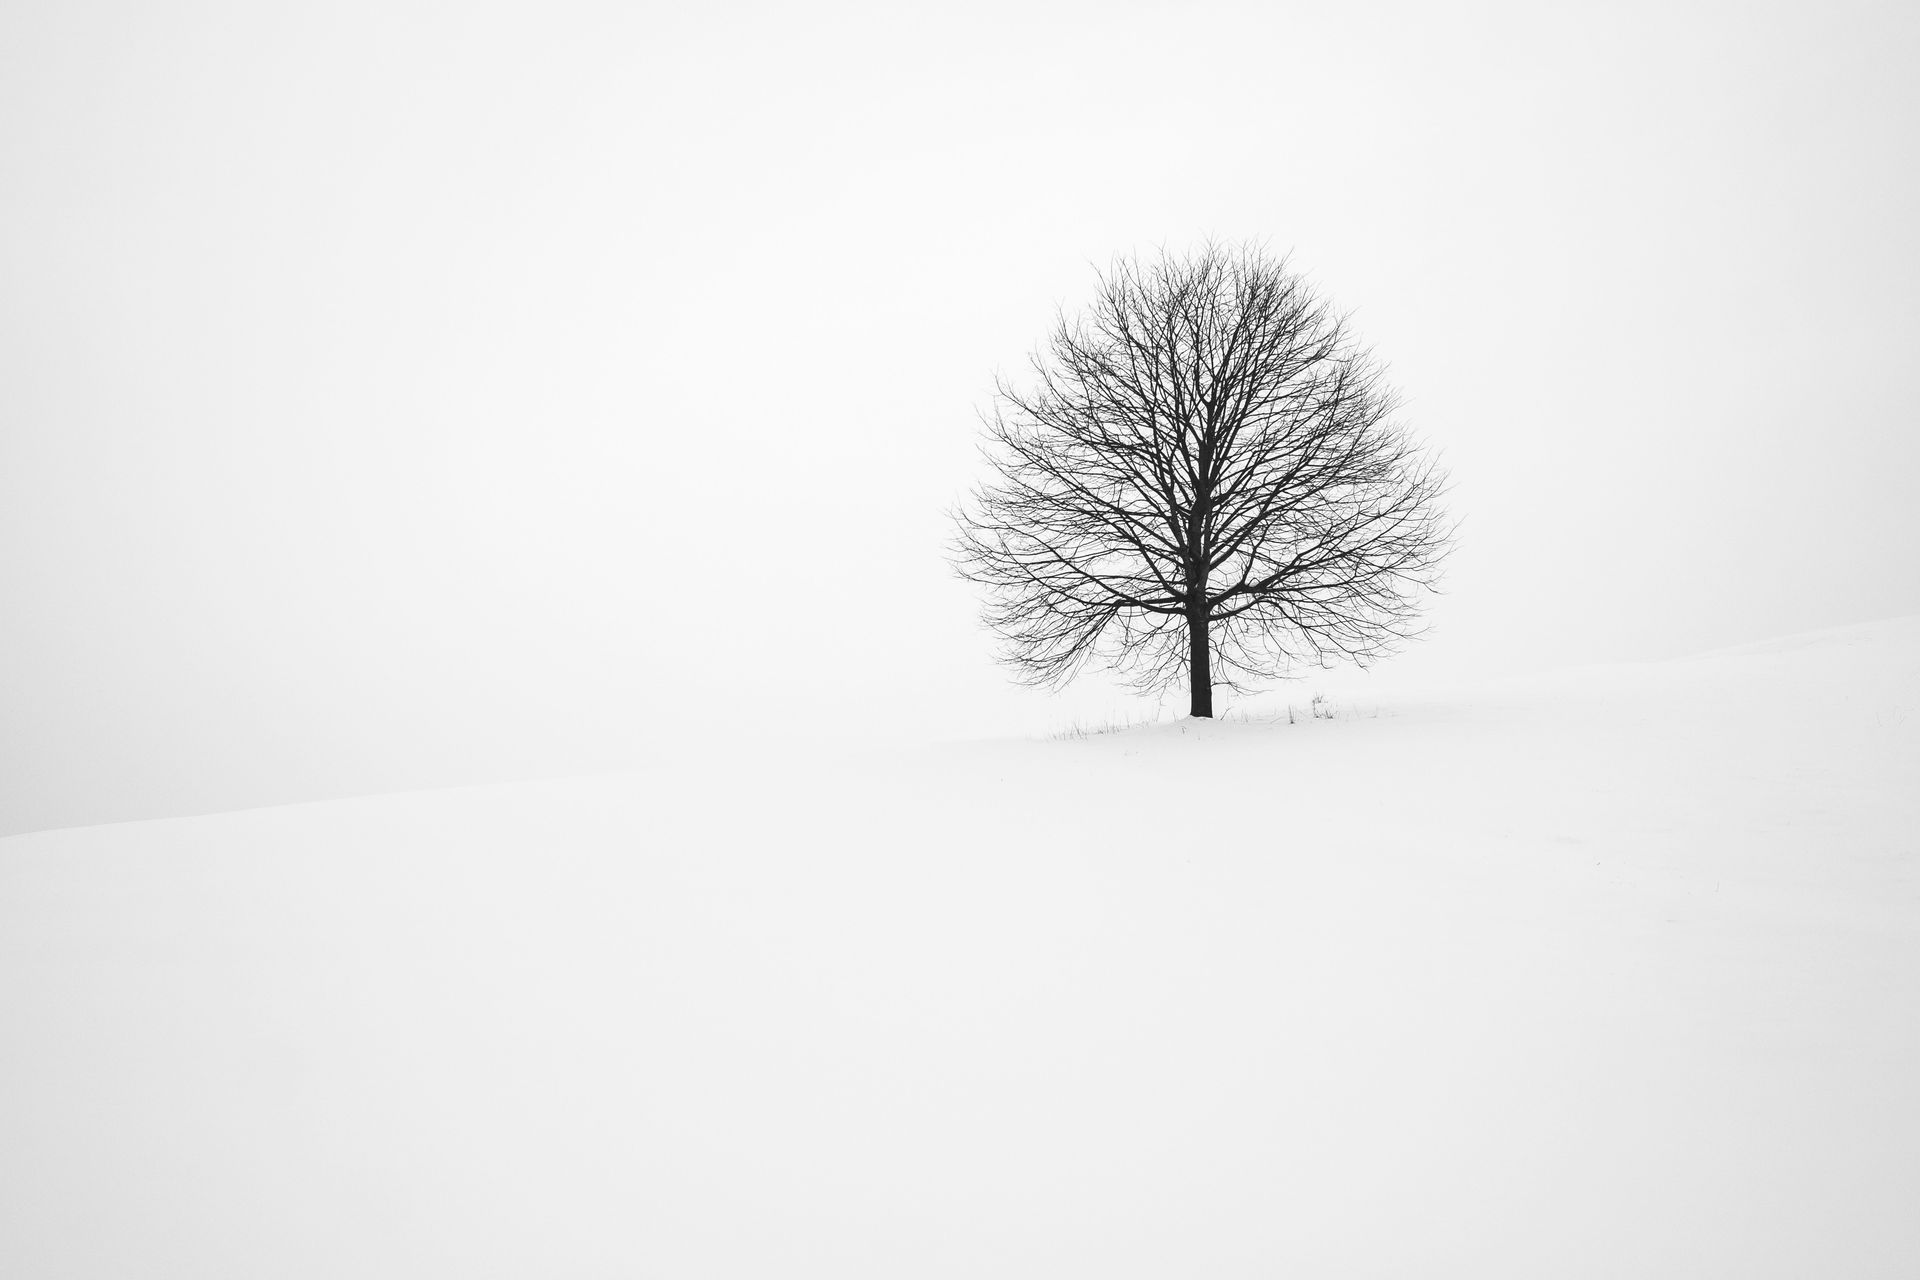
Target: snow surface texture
<point x="1613" y="973"/>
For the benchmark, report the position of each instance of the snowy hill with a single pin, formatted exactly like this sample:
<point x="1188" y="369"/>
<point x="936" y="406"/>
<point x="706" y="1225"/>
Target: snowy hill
<point x="1609" y="973"/>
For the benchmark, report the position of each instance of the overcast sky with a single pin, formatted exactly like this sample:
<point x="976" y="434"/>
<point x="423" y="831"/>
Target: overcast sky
<point x="400" y="394"/>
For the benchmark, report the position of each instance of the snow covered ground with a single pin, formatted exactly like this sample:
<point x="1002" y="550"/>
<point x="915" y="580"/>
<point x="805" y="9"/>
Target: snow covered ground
<point x="1613" y="973"/>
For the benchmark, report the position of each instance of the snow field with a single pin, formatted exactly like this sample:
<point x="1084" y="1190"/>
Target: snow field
<point x="1613" y="972"/>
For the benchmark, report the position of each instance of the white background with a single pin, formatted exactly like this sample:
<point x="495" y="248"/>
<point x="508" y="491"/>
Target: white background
<point x="402" y="394"/>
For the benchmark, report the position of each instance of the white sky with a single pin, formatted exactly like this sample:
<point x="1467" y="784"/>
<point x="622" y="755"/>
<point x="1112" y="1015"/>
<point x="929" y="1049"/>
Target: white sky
<point x="400" y="394"/>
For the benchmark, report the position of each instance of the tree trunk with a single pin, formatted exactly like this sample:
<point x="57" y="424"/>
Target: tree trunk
<point x="1199" y="666"/>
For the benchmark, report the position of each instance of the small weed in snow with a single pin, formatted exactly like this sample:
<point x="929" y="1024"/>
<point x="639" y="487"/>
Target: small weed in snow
<point x="1095" y="728"/>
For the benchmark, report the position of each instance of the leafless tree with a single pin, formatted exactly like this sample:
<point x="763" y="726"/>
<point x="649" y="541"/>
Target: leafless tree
<point x="1205" y="478"/>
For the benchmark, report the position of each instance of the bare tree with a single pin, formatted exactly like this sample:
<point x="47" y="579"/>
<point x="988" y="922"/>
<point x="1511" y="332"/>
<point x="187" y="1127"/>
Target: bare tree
<point x="1205" y="479"/>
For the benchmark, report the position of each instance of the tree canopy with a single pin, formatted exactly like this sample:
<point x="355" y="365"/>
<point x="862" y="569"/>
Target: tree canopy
<point x="1204" y="478"/>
